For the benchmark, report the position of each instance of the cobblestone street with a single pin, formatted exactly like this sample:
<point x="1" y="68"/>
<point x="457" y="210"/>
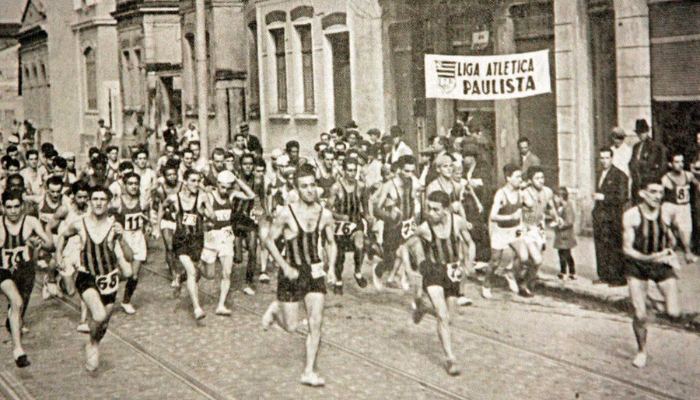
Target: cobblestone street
<point x="507" y="348"/>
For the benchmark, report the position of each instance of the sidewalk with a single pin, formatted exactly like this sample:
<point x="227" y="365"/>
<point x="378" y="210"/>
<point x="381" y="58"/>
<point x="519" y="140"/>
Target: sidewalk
<point x="613" y="297"/>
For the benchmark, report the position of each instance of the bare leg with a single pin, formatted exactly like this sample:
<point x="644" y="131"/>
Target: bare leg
<point x="638" y="293"/>
<point x="10" y="290"/>
<point x="192" y="289"/>
<point x="227" y="267"/>
<point x="314" y="310"/>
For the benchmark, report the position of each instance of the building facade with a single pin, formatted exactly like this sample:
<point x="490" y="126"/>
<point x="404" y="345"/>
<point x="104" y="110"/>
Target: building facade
<point x="11" y="108"/>
<point x="70" y="78"/>
<point x="150" y="64"/>
<point x="318" y="65"/>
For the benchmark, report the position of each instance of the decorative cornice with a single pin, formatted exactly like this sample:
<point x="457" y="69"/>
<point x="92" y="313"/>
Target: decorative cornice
<point x="99" y="21"/>
<point x="160" y="67"/>
<point x="229" y="75"/>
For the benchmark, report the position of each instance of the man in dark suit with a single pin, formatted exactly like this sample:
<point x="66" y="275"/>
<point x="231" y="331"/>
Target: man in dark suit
<point x="527" y="157"/>
<point x="252" y="142"/>
<point x="648" y="158"/>
<point x="170" y="135"/>
<point x="610" y="198"/>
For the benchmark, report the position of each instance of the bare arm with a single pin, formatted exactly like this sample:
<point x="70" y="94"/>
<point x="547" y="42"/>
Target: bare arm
<point x="467" y="240"/>
<point x="328" y="225"/>
<point x="59" y="216"/>
<point x="246" y="193"/>
<point x="628" y="224"/>
<point x="36" y="228"/>
<point x="276" y="230"/>
<point x="72" y="230"/>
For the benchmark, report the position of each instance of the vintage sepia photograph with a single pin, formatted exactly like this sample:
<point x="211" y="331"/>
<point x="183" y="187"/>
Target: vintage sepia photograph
<point x="350" y="199"/>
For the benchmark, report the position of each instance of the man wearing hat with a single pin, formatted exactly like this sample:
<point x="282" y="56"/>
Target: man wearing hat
<point x="648" y="158"/>
<point x="400" y="148"/>
<point x="252" y="143"/>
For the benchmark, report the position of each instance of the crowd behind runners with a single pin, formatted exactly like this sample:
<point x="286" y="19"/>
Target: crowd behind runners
<point x="422" y="225"/>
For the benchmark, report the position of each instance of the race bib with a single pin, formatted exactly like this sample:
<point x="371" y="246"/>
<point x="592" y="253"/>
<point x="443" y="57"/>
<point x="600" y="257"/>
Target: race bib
<point x="317" y="271"/>
<point x="408" y="228"/>
<point x="108" y="284"/>
<point x="223" y="215"/>
<point x="189" y="219"/>
<point x="133" y="222"/>
<point x="12" y="258"/>
<point x="455" y="272"/>
<point x="683" y="194"/>
<point x="344" y="228"/>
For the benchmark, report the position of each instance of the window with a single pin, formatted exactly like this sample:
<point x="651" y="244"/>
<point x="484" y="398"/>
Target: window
<point x="126" y="78"/>
<point x="307" y="66"/>
<point x="281" y="65"/>
<point x="254" y="78"/>
<point x="136" y="80"/>
<point x="91" y="78"/>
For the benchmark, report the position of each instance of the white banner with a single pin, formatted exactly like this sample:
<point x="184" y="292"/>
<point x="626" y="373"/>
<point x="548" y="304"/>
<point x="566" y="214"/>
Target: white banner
<point x="499" y="77"/>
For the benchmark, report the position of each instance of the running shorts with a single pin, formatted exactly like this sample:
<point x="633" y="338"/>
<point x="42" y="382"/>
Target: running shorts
<point x="167" y="224"/>
<point x="137" y="241"/>
<point x="647" y="271"/>
<point x="446" y="276"/>
<point x="502" y="238"/>
<point x="678" y="215"/>
<point x="85" y="281"/>
<point x="217" y="243"/>
<point x="309" y="281"/>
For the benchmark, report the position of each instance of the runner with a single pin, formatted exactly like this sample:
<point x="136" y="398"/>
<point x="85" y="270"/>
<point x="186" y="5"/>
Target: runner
<point x="446" y="183"/>
<point x="64" y="216"/>
<point x="18" y="270"/>
<point x="112" y="164"/>
<point x="218" y="241"/>
<point x="247" y="212"/>
<point x="131" y="212"/>
<point x="166" y="225"/>
<point x="265" y="220"/>
<point x="648" y="246"/>
<point x="188" y="239"/>
<point x="676" y="209"/>
<point x="148" y="176"/>
<point x="47" y="205"/>
<point x="506" y="229"/>
<point x="347" y="202"/>
<point x="31" y="175"/>
<point x="537" y="200"/>
<point x="215" y="167"/>
<point x="397" y="207"/>
<point x="98" y="275"/>
<point x="443" y="237"/>
<point x="324" y="174"/>
<point x="301" y="275"/>
<point x="117" y="187"/>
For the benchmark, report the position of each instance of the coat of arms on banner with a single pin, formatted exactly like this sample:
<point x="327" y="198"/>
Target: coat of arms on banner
<point x="447" y="73"/>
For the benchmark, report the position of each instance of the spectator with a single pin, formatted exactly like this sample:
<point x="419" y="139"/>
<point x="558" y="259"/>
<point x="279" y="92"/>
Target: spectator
<point x="648" y="158"/>
<point x="252" y="143"/>
<point x="400" y="148"/>
<point x="141" y="134"/>
<point x="622" y="152"/>
<point x="527" y="158"/>
<point x="190" y="135"/>
<point x="170" y="134"/>
<point x="103" y="137"/>
<point x="564" y="235"/>
<point x="610" y="199"/>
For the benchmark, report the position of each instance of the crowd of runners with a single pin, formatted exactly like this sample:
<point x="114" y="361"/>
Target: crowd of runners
<point x="85" y="231"/>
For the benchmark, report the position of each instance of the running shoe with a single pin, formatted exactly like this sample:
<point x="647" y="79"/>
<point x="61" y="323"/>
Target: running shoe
<point x="221" y="310"/>
<point x="83" y="328"/>
<point x="361" y="281"/>
<point x="338" y="289"/>
<point x="512" y="283"/>
<point x="486" y="293"/>
<point x="128" y="308"/>
<point x="452" y="368"/>
<point x="199" y="314"/>
<point x="249" y="291"/>
<point x="22" y="361"/>
<point x="312" y="380"/>
<point x="525" y="292"/>
<point x="640" y="360"/>
<point x="264" y="278"/>
<point x="464" y="301"/>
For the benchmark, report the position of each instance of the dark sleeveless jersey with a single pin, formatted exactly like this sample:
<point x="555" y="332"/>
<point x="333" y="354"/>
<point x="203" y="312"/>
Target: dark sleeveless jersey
<point x="509" y="209"/>
<point x="243" y="206"/>
<point x="46" y="212"/>
<point x="325" y="183"/>
<point x="303" y="249"/>
<point x="406" y="203"/>
<point x="97" y="258"/>
<point x="15" y="251"/>
<point x="170" y="211"/>
<point x="223" y="213"/>
<point x="189" y="222"/>
<point x="130" y="218"/>
<point x="350" y="204"/>
<point x="442" y="251"/>
<point x="650" y="236"/>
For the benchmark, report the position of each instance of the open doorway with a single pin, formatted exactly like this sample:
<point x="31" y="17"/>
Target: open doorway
<point x="342" y="86"/>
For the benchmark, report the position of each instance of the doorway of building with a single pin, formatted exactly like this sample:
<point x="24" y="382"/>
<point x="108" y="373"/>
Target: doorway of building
<point x="342" y="86"/>
<point x="604" y="75"/>
<point x="676" y="124"/>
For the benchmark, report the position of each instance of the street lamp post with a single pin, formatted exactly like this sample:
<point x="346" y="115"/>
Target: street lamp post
<point x="202" y="86"/>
